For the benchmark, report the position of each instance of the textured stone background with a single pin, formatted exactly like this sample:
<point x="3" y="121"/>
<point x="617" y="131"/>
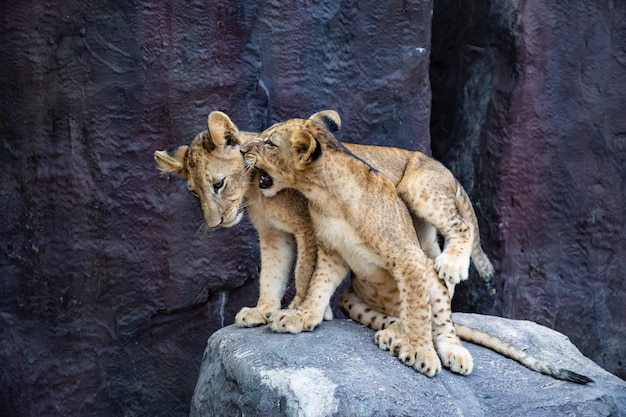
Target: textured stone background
<point x="535" y="127"/>
<point x="109" y="284"/>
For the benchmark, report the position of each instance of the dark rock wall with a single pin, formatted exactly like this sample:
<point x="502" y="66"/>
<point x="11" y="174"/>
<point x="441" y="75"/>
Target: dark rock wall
<point x="566" y="224"/>
<point x="535" y="129"/>
<point x="109" y="283"/>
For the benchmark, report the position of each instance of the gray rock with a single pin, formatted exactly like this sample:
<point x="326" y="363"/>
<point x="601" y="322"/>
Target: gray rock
<point x="337" y="370"/>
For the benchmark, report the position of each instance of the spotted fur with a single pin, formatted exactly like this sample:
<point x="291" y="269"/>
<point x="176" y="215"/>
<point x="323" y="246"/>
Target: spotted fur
<point x="357" y="215"/>
<point x="361" y="224"/>
<point x="213" y="156"/>
<point x="357" y="310"/>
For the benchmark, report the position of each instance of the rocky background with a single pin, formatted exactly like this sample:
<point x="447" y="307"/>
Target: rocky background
<point x="109" y="283"/>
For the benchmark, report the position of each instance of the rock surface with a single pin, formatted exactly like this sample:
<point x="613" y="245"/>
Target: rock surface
<point x="337" y="370"/>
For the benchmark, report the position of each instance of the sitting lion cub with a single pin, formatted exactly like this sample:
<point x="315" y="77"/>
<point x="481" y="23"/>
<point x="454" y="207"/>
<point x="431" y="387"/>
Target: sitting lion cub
<point x="358" y="215"/>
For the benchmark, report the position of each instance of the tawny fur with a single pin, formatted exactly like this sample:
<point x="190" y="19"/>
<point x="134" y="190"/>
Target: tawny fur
<point x="357" y="310"/>
<point x="360" y="220"/>
<point x="283" y="222"/>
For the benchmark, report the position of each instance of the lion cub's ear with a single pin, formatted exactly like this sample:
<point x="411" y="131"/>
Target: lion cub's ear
<point x="223" y="131"/>
<point x="306" y="148"/>
<point x="173" y="161"/>
<point x="329" y="118"/>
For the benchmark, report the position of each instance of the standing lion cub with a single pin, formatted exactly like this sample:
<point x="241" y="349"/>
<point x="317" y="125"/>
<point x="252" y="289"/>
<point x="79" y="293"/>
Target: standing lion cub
<point x="358" y="215"/>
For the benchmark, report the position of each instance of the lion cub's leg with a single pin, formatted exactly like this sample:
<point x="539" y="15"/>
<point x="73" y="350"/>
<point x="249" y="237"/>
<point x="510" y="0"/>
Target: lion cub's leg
<point x="305" y="265"/>
<point x="331" y="270"/>
<point x="427" y="236"/>
<point x="306" y="261"/>
<point x="436" y="204"/>
<point x="411" y="337"/>
<point x="358" y="310"/>
<point x="277" y="254"/>
<point x="453" y="355"/>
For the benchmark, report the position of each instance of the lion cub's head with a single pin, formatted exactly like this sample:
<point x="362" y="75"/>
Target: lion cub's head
<point x="285" y="149"/>
<point x="213" y="167"/>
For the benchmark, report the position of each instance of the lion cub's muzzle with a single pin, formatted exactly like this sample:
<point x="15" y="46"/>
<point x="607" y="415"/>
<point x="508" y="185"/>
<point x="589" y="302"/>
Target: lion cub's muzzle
<point x="265" y="180"/>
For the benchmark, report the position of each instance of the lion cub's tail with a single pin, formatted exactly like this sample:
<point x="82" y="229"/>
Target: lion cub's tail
<point x="479" y="258"/>
<point x="481" y="338"/>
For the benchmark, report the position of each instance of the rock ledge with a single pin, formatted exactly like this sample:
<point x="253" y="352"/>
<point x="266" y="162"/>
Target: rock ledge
<point x="336" y="370"/>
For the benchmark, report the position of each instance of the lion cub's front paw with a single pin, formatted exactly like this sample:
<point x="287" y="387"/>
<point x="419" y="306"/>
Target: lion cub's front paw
<point x="328" y="312"/>
<point x="422" y="359"/>
<point x="452" y="268"/>
<point x="455" y="357"/>
<point x="293" y="321"/>
<point x="251" y="317"/>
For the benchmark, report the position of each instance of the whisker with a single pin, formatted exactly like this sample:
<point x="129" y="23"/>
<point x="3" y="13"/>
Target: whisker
<point x="199" y="229"/>
<point x="249" y="165"/>
<point x="255" y="199"/>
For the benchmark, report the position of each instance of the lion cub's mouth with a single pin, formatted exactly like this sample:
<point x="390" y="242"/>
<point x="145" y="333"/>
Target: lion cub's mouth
<point x="265" y="181"/>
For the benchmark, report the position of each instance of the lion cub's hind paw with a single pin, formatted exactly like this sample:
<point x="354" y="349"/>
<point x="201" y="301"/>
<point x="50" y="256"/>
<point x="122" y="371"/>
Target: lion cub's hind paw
<point x="293" y="321"/>
<point x="251" y="317"/>
<point x="389" y="338"/>
<point x="424" y="360"/>
<point x="452" y="269"/>
<point x="456" y="358"/>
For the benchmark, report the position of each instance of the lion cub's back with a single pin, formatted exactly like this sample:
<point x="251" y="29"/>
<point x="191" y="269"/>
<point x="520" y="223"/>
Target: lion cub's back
<point x="392" y="162"/>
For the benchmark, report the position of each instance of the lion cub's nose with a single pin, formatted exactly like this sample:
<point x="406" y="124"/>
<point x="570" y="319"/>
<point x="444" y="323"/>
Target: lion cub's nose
<point x="244" y="148"/>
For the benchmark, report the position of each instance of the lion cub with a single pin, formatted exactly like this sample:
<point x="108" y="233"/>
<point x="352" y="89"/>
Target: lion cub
<point x="357" y="214"/>
<point x="216" y="176"/>
<point x="215" y="172"/>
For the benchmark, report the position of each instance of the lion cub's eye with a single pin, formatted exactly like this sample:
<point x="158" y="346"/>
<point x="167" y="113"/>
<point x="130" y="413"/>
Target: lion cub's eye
<point x="218" y="185"/>
<point x="194" y="192"/>
<point x="269" y="143"/>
